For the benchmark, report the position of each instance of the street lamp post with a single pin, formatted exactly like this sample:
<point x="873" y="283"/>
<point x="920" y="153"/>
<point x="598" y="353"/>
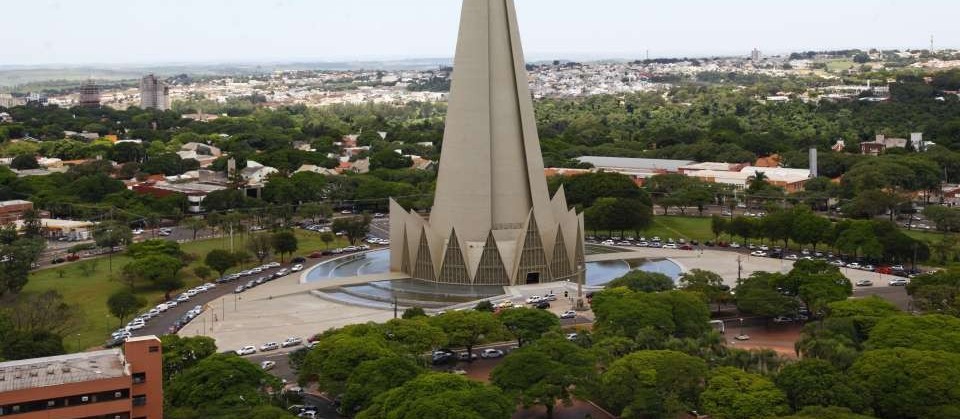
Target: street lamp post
<point x="741" y="326"/>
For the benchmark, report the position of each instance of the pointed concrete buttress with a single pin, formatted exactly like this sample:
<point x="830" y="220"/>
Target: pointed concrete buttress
<point x="491" y="179"/>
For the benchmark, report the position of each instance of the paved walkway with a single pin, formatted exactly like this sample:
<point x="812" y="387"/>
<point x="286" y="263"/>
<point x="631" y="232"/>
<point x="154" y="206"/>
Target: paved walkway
<point x="285" y="307"/>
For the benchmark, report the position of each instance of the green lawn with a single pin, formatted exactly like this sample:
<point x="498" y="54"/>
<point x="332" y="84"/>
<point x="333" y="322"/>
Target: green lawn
<point x="89" y="283"/>
<point x="664" y="226"/>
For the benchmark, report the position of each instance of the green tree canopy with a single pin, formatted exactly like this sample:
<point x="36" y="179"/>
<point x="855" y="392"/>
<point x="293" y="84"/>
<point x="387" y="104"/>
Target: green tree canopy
<point x="643" y="281"/>
<point x="734" y="394"/>
<point x="528" y="324"/>
<point x="440" y="396"/>
<point x="652" y="384"/>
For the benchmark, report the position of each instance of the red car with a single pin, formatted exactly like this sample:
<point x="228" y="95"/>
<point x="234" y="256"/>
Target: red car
<point x="73" y="257"/>
<point x="686" y="247"/>
<point x="316" y="255"/>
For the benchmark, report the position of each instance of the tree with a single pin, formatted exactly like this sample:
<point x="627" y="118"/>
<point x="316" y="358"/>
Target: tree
<point x="439" y="396"/>
<point x="24" y="162"/>
<point x="652" y="384"/>
<point x="284" y="242"/>
<point x="260" y="245"/>
<point x="466" y="328"/>
<point x="44" y="312"/>
<point x="925" y="382"/>
<point x="932" y="332"/>
<point x="413" y="312"/>
<point x="220" y="260"/>
<point x="355" y="228"/>
<point x="734" y="394"/>
<point x="182" y="353"/>
<point x="544" y="372"/>
<point x="195" y="225"/>
<point x="314" y="211"/>
<point x="375" y="377"/>
<point x="327" y="238"/>
<point x="124" y="303"/>
<point x="203" y="272"/>
<point x="334" y="358"/>
<point x="832" y="412"/>
<point x="413" y="337"/>
<point x="621" y="312"/>
<point x="389" y="159"/>
<point x="619" y="214"/>
<point x="643" y="281"/>
<point x="16" y="260"/>
<point x="718" y="225"/>
<point x="528" y="324"/>
<point x="707" y="283"/>
<point x="220" y="383"/>
<point x="31" y="344"/>
<point x="163" y="271"/>
<point x="484" y="305"/>
<point x="815" y="382"/>
<point x="758" y="295"/>
<point x="111" y="235"/>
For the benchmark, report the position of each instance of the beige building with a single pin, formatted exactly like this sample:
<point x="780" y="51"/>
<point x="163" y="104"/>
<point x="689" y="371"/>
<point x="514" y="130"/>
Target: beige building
<point x="493" y="221"/>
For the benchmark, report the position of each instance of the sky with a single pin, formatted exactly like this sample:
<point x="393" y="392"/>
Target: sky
<point x="78" y="32"/>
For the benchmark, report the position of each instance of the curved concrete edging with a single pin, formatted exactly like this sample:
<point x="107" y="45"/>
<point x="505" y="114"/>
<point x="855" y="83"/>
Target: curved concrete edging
<point x="306" y="272"/>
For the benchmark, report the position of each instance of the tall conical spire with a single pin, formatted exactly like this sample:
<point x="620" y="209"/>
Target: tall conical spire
<point x="491" y="169"/>
<point x="491" y="199"/>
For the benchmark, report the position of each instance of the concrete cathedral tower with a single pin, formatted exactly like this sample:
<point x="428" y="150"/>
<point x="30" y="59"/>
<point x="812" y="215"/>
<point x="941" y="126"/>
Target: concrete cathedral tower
<point x="493" y="222"/>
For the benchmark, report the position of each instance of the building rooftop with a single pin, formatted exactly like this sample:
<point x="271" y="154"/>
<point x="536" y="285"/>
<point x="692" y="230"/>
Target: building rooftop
<point x="635" y="164"/>
<point x="15" y="202"/>
<point x="63" y="369"/>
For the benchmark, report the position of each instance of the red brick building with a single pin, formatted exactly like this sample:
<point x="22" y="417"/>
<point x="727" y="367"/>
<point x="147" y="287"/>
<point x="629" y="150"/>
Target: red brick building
<point x="106" y="384"/>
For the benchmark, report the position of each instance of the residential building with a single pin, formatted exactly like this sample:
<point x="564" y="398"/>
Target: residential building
<point x="881" y="144"/>
<point x="11" y="211"/>
<point x="90" y="94"/>
<point x="202" y="153"/>
<point x="110" y="384"/>
<point x="154" y="93"/>
<point x="256" y="173"/>
<point x="317" y="169"/>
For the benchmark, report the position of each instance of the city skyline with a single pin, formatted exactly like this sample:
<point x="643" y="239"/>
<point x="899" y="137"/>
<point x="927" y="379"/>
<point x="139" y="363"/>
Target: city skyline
<point x="294" y="30"/>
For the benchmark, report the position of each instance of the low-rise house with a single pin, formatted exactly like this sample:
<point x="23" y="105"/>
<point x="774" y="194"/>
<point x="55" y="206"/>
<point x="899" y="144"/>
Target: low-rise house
<point x="256" y="173"/>
<point x="317" y="169"/>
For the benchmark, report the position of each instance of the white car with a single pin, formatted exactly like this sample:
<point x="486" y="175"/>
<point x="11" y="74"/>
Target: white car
<point x="183" y="298"/>
<point x="296" y="268"/>
<point x="136" y="325"/>
<point x="267" y="365"/>
<point x="247" y="350"/>
<point x="670" y="246"/>
<point x="569" y="314"/>
<point x="269" y="346"/>
<point x="759" y="253"/>
<point x="534" y="299"/>
<point x="854" y="265"/>
<point x="572" y="336"/>
<point x="491" y="353"/>
<point x="292" y="341"/>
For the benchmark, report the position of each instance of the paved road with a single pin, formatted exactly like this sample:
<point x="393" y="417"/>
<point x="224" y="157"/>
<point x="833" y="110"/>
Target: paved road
<point x="161" y="324"/>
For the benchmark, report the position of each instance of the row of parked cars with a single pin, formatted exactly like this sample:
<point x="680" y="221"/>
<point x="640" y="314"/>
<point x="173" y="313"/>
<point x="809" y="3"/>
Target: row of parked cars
<point x="272" y="346"/>
<point x="267" y="278"/>
<point x="339" y="251"/>
<point x="654" y="242"/>
<point x="121" y="335"/>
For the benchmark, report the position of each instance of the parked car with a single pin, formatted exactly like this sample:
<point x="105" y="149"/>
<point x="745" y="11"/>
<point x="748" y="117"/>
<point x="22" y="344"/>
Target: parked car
<point x="572" y="336"/>
<point x="267" y="365"/>
<point x="864" y="283"/>
<point x="269" y="346"/>
<point x="569" y="314"/>
<point x="463" y="356"/>
<point x="898" y="282"/>
<point x="296" y="268"/>
<point x="536" y="299"/>
<point x="543" y="305"/>
<point x="247" y="350"/>
<point x="291" y="341"/>
<point x="298" y="259"/>
<point x="491" y="353"/>
<point x="783" y="319"/>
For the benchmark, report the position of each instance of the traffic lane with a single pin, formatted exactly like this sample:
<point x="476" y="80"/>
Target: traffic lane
<point x="161" y="324"/>
<point x="895" y="295"/>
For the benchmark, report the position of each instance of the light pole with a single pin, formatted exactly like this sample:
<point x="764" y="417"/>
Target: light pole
<point x="741" y="326"/>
